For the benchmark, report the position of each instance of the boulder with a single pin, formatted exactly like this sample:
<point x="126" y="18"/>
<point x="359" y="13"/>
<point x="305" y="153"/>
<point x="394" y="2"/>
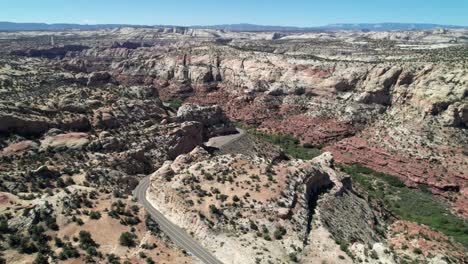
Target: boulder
<point x="45" y="172"/>
<point x="143" y="92"/>
<point x="11" y="123"/>
<point x="377" y="86"/>
<point x="133" y="162"/>
<point x="214" y="121"/>
<point x="18" y="148"/>
<point x="98" y="78"/>
<point x="456" y="115"/>
<point x="185" y="138"/>
<point x="104" y="118"/>
<point x="74" y="140"/>
<point x="76" y="122"/>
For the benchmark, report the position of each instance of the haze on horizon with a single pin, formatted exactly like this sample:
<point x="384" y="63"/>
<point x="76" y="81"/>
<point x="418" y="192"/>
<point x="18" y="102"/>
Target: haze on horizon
<point x="300" y="13"/>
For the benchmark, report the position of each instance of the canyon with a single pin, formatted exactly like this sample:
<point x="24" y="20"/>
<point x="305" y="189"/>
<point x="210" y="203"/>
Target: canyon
<point x="85" y="115"/>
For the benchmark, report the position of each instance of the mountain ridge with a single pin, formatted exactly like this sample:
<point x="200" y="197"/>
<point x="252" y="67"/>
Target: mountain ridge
<point x="13" y="26"/>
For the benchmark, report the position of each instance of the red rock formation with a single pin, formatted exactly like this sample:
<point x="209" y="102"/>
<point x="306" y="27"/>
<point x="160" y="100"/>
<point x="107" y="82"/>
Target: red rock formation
<point x="312" y="130"/>
<point x="18" y="148"/>
<point x="413" y="171"/>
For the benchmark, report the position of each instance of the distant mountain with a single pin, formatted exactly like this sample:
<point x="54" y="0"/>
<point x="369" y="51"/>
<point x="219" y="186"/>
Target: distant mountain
<point x="387" y="26"/>
<point x="253" y="27"/>
<point x="11" y="26"/>
<point x="360" y="26"/>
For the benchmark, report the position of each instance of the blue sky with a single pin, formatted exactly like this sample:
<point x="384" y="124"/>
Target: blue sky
<point x="209" y="12"/>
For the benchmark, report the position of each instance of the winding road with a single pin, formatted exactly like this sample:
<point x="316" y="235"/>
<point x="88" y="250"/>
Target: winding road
<point x="179" y="236"/>
<point x="219" y="142"/>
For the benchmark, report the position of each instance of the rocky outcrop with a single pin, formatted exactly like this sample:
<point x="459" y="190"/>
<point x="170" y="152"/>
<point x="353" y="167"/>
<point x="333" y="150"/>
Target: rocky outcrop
<point x="19" y="148"/>
<point x="51" y="53"/>
<point x="304" y="196"/>
<point x="128" y="45"/>
<point x="45" y="172"/>
<point x="98" y="78"/>
<point x="23" y="125"/>
<point x="214" y="120"/>
<point x="78" y="122"/>
<point x="185" y="138"/>
<point x="133" y="162"/>
<point x="378" y="84"/>
<point x="105" y="118"/>
<point x="143" y="92"/>
<point x="73" y="140"/>
<point x="456" y="115"/>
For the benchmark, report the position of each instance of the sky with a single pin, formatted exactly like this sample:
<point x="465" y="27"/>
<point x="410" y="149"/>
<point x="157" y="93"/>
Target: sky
<point x="210" y="12"/>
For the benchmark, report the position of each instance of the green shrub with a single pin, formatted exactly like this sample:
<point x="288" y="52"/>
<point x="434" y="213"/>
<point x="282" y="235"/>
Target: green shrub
<point x="68" y="251"/>
<point x="175" y="103"/>
<point x="279" y="232"/>
<point x="86" y="241"/>
<point x="113" y="259"/>
<point x="41" y="259"/>
<point x="410" y="204"/>
<point x="290" y="145"/>
<point x="214" y="210"/>
<point x="127" y="239"/>
<point x="293" y="257"/>
<point x="95" y="215"/>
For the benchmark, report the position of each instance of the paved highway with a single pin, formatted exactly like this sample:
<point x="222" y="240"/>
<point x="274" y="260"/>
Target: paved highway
<point x="218" y="142"/>
<point x="179" y="236"/>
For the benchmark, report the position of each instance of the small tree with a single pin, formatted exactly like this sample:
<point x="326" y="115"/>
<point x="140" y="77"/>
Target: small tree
<point x="41" y="259"/>
<point x="214" y="210"/>
<point x="127" y="239"/>
<point x="86" y="241"/>
<point x="113" y="259"/>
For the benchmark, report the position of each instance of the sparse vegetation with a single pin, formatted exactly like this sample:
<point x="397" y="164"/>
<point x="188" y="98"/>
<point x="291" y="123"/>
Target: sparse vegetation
<point x="410" y="204"/>
<point x="175" y="103"/>
<point x="289" y="144"/>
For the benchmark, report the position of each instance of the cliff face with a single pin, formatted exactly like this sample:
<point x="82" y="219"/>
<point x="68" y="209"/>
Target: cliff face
<point x="407" y="119"/>
<point x="237" y="202"/>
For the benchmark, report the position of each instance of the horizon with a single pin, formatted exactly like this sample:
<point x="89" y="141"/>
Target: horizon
<point x="206" y="13"/>
<point x="234" y="24"/>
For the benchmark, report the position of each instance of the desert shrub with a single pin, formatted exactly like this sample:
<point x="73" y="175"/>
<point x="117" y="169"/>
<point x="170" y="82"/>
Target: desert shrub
<point x="130" y="220"/>
<point x="127" y="239"/>
<point x="293" y="257"/>
<point x="94" y="215"/>
<point x="41" y="259"/>
<point x="279" y="232"/>
<point x="214" y="210"/>
<point x="86" y="241"/>
<point x="68" y="251"/>
<point x="113" y="259"/>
